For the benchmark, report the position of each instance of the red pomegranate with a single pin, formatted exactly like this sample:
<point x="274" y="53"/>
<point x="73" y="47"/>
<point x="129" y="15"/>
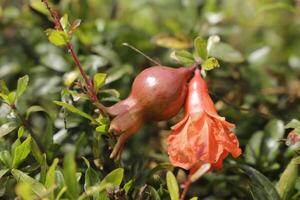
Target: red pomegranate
<point x="157" y="94"/>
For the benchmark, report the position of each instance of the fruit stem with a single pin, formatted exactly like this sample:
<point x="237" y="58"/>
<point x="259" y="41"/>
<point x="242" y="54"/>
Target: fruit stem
<point x="89" y="83"/>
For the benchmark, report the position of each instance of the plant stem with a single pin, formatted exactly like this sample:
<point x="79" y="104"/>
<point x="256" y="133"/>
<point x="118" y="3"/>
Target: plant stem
<point x="89" y="83"/>
<point x="186" y="187"/>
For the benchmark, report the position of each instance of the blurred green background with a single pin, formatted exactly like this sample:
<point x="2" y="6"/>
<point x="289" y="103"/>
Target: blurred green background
<point x="260" y="94"/>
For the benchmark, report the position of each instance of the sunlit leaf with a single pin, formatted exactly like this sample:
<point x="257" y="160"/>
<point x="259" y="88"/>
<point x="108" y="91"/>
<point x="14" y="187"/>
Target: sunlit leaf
<point x="3" y="88"/>
<point x="210" y="64"/>
<point x="172" y="186"/>
<point x="21" y="152"/>
<point x="57" y="37"/>
<point x="99" y="80"/>
<point x="3" y="172"/>
<point x="22" y="85"/>
<point x="65" y="22"/>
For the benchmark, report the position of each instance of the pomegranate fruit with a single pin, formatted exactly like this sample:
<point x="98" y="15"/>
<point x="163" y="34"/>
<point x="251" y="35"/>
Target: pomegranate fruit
<point x="157" y="94"/>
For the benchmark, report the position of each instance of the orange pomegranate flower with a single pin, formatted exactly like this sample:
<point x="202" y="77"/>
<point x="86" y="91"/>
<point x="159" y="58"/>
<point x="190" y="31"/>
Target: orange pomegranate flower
<point x="202" y="136"/>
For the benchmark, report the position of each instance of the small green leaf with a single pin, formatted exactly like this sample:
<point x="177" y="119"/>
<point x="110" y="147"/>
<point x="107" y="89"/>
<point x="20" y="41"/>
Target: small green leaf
<point x="287" y="181"/>
<point x="7" y="128"/>
<point x="65" y="21"/>
<point x="50" y="177"/>
<point x="128" y="186"/>
<point x="33" y="109"/>
<point x="194" y="198"/>
<point x="39" y="6"/>
<point x="5" y="158"/>
<point x="225" y="52"/>
<point x="11" y="97"/>
<point x="210" y="64"/>
<point x="72" y="109"/>
<point x="200" y="46"/>
<point x="172" y="186"/>
<point x="36" y="187"/>
<point x="21" y="86"/>
<point x="99" y="80"/>
<point x="91" y="176"/>
<point x="36" y="152"/>
<point x="3" y="172"/>
<point x="3" y="88"/>
<point x="260" y="186"/>
<point x="57" y="37"/>
<point x="294" y="124"/>
<point x="21" y="152"/>
<point x="114" y="178"/>
<point x="69" y="173"/>
<point x="154" y="193"/>
<point x="183" y="57"/>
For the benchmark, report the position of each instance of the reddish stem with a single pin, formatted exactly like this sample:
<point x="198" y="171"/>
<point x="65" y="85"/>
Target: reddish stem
<point x="89" y="83"/>
<point x="186" y="187"/>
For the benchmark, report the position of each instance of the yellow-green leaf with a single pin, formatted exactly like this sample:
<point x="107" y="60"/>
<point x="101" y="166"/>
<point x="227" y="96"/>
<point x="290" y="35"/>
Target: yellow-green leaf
<point x="57" y="37"/>
<point x="210" y="64"/>
<point x="200" y="46"/>
<point x="172" y="186"/>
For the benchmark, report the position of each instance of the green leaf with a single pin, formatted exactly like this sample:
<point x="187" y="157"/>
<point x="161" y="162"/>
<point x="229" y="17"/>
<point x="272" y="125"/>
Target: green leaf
<point x="3" y="87"/>
<point x="72" y="109"/>
<point x="50" y="177"/>
<point x="99" y="80"/>
<point x="36" y="187"/>
<point x="253" y="148"/>
<point x="5" y="158"/>
<point x="201" y="47"/>
<point x="128" y="186"/>
<point x="21" y="152"/>
<point x="24" y="191"/>
<point x="69" y="173"/>
<point x="294" y="123"/>
<point x="91" y="176"/>
<point x="276" y="6"/>
<point x="3" y="172"/>
<point x="225" y="52"/>
<point x="210" y="64"/>
<point x="7" y="128"/>
<point x="57" y="37"/>
<point x="194" y="198"/>
<point x="39" y="6"/>
<point x="154" y="193"/>
<point x="21" y="86"/>
<point x="65" y="22"/>
<point x="288" y="179"/>
<point x="172" y="186"/>
<point x="183" y="57"/>
<point x="33" y="109"/>
<point x="36" y="152"/>
<point x="261" y="188"/>
<point x="114" y="178"/>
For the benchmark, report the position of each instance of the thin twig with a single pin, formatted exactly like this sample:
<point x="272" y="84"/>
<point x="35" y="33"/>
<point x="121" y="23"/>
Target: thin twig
<point x="89" y="83"/>
<point x="140" y="52"/>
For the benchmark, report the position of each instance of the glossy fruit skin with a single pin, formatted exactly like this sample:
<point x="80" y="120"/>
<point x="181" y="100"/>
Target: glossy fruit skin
<point x="158" y="93"/>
